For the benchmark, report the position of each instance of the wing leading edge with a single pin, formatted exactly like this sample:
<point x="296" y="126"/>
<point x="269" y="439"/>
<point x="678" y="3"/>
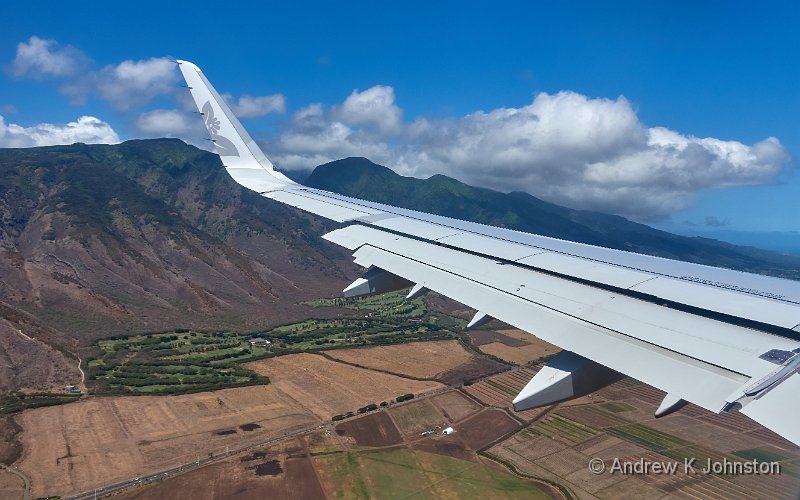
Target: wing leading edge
<point x="718" y="338"/>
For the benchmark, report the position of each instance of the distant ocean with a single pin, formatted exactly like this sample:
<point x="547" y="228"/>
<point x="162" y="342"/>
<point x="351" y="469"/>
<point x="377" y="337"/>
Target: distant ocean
<point x="787" y="242"/>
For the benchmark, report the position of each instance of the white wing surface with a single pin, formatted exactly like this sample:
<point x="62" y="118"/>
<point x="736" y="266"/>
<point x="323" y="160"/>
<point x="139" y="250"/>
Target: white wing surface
<point x="718" y="338"/>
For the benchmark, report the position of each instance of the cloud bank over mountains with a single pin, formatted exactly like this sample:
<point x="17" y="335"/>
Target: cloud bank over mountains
<point x="567" y="148"/>
<point x="86" y="129"/>
<point x="588" y="153"/>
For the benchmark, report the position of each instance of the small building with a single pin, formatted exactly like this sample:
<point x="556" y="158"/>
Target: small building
<point x="448" y="430"/>
<point x="259" y="342"/>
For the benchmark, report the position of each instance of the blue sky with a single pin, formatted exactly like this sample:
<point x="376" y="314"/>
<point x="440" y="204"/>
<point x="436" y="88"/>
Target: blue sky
<point x="512" y="95"/>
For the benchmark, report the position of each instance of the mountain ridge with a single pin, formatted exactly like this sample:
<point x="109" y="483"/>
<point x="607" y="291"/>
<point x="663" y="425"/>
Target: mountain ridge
<point x="521" y="211"/>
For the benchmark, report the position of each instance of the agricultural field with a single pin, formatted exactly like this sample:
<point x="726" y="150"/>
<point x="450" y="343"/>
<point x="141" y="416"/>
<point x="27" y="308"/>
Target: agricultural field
<point x="11" y="485"/>
<point x="512" y="345"/>
<point x="327" y="388"/>
<point x="618" y="422"/>
<point x="346" y="473"/>
<point x="283" y="471"/>
<point x="417" y="417"/>
<point x="418" y="360"/>
<point x="365" y="457"/>
<point x="501" y="389"/>
<point x="408" y="473"/>
<point x="376" y="430"/>
<point x="96" y="441"/>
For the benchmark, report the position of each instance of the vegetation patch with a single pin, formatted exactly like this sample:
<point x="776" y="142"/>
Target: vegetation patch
<point x="271" y="468"/>
<point x="759" y="455"/>
<point x="18" y="401"/>
<point x="188" y="361"/>
<point x="418" y="474"/>
<point x="647" y="437"/>
<point x="559" y="426"/>
<point x="173" y="363"/>
<point x="617" y="406"/>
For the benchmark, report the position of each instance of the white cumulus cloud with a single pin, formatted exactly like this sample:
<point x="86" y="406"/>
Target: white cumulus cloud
<point x="167" y="122"/>
<point x="173" y="123"/>
<point x="132" y="83"/>
<point x="587" y="153"/>
<point x="86" y="129"/>
<point x="254" y="106"/>
<point x="129" y="84"/>
<point x="38" y="58"/>
<point x="372" y="107"/>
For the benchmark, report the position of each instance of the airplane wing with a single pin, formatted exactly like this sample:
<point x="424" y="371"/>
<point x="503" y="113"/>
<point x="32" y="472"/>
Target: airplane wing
<point x="718" y="338"/>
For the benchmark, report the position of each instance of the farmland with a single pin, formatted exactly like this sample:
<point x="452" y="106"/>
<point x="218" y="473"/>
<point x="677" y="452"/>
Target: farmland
<point x="367" y="457"/>
<point x="347" y="474"/>
<point x="327" y="388"/>
<point x="618" y="422"/>
<point x="512" y="346"/>
<point x="412" y="473"/>
<point x="427" y="360"/>
<point x="75" y="447"/>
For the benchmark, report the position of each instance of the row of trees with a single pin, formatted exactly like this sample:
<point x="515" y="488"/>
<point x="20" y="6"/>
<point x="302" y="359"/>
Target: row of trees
<point x="371" y="407"/>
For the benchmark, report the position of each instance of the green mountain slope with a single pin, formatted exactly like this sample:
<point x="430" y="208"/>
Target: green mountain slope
<point x="443" y="195"/>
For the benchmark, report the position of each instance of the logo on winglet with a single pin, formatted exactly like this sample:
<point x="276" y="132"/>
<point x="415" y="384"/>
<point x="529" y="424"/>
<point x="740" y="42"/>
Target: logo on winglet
<point x="224" y="146"/>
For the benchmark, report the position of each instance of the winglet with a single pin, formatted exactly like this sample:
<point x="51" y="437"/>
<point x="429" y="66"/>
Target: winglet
<point x="240" y="154"/>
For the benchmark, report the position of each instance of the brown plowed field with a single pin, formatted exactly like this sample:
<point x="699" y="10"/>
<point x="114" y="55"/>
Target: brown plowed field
<point x="97" y="441"/>
<point x="485" y="427"/>
<point x="417" y="416"/>
<point x="514" y="346"/>
<point x="477" y="367"/>
<point x="11" y="486"/>
<point x="451" y="445"/>
<point x="376" y="429"/>
<point x="238" y="478"/>
<point x="415" y="359"/>
<point x="327" y="388"/>
<point x="455" y="406"/>
<point x="501" y="389"/>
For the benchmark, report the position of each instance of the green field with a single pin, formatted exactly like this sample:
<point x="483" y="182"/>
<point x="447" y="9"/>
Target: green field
<point x="647" y="437"/>
<point x="617" y="406"/>
<point x="760" y="455"/>
<point x="558" y="426"/>
<point x="416" y="474"/>
<point x="189" y="361"/>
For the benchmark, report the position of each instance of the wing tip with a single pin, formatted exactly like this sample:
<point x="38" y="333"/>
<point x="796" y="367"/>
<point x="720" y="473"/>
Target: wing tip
<point x="188" y="64"/>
